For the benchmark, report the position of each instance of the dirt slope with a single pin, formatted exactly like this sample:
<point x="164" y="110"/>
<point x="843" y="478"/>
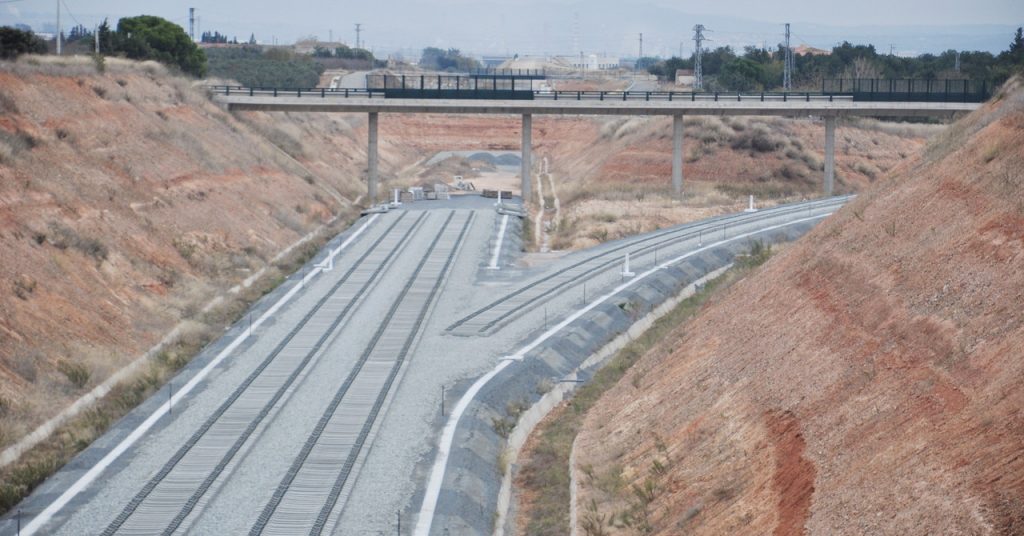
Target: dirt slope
<point x="127" y="201"/>
<point x="865" y="381"/>
<point x="612" y="175"/>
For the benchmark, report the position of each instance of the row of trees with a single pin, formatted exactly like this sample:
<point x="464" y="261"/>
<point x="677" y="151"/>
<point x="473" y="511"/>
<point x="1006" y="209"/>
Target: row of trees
<point x="253" y="65"/>
<point x="447" y="60"/>
<point x="139" y="38"/>
<point x="758" y="69"/>
<point x="343" y="52"/>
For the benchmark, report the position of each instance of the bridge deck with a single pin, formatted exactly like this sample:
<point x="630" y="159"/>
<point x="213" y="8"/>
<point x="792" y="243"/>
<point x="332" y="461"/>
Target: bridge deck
<point x="746" y="106"/>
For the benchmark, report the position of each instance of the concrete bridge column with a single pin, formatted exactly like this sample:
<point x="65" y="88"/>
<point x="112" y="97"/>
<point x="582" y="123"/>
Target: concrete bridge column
<point x="830" y="154"/>
<point x="677" y="156"/>
<point x="527" y="168"/>
<point x="371" y="153"/>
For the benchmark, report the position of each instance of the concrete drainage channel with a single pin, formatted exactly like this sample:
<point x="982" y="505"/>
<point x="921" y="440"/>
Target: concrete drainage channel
<point x="472" y="495"/>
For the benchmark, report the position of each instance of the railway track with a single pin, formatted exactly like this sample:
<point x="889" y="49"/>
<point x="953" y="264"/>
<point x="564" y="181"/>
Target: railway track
<point x="499" y="312"/>
<point x="176" y="490"/>
<point x="309" y="492"/>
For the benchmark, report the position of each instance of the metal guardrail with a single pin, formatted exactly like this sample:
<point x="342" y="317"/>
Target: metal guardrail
<point x="488" y="94"/>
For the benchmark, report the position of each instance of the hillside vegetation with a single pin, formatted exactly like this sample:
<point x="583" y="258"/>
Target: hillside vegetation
<point x="132" y="209"/>
<point x="864" y="381"/>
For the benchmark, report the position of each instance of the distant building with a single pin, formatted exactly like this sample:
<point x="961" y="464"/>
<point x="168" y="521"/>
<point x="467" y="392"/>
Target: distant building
<point x="804" y="50"/>
<point x="592" y="62"/>
<point x="494" y="62"/>
<point x="684" y="77"/>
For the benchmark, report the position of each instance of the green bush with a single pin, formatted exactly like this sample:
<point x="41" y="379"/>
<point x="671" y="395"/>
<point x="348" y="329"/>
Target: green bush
<point x="153" y="38"/>
<point x="15" y="42"/>
<point x="254" y="67"/>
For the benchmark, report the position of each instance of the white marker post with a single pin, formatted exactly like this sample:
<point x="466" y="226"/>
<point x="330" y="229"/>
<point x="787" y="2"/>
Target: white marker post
<point x="751" y="208"/>
<point x="498" y="203"/>
<point x="625" y="268"/>
<point x="396" y="202"/>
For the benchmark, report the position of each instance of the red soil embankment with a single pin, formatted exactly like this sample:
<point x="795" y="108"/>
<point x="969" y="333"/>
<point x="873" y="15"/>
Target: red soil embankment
<point x="864" y="381"/>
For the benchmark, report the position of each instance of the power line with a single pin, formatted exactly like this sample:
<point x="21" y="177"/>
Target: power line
<point x="698" y="71"/>
<point x="787" y="71"/>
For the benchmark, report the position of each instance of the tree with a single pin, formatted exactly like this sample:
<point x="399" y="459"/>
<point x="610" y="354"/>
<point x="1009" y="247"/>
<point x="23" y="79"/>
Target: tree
<point x="742" y="74"/>
<point x="447" y="60"/>
<point x="153" y="38"/>
<point x="14" y="42"/>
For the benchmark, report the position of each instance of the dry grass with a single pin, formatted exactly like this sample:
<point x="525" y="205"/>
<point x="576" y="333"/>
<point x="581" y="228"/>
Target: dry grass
<point x="19" y="478"/>
<point x="544" y="472"/>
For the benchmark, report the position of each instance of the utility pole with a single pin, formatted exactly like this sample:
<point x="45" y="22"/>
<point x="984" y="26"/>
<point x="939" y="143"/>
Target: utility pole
<point x="787" y="71"/>
<point x="641" y="44"/>
<point x="359" y="30"/>
<point x="698" y="39"/>
<point x="96" y="35"/>
<point x="58" y="27"/>
<point x="956" y="66"/>
<point x="192" y="23"/>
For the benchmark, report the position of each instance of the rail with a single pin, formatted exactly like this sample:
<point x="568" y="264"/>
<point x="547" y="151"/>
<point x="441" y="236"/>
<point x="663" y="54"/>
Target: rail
<point x="507" y="307"/>
<point x="169" y="512"/>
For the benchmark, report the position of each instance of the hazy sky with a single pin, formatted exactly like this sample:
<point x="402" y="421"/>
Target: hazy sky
<point x="562" y="26"/>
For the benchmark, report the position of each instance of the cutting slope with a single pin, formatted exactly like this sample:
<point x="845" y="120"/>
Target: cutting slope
<point x="865" y="381"/>
<point x="127" y="201"/>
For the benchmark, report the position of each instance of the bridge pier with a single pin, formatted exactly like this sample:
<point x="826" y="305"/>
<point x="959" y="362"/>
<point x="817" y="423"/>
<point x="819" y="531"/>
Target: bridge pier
<point x="526" y="182"/>
<point x="677" y="156"/>
<point x="371" y="153"/>
<point x="830" y="153"/>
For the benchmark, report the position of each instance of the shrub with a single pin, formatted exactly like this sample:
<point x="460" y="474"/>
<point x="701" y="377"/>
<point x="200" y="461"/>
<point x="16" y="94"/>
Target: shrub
<point x="63" y="237"/>
<point x="14" y="42"/>
<point x="76" y="373"/>
<point x="24" y="286"/>
<point x="153" y="38"/>
<point x="759" y="138"/>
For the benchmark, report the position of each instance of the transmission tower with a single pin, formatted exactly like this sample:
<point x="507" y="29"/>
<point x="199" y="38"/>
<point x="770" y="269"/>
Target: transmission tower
<point x="698" y="73"/>
<point x="192" y="23"/>
<point x="956" y="66"/>
<point x="787" y="71"/>
<point x="641" y="44"/>
<point x="359" y="30"/>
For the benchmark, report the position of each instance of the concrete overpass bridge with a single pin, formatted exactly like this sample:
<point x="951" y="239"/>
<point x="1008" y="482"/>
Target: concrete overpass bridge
<point x="827" y="106"/>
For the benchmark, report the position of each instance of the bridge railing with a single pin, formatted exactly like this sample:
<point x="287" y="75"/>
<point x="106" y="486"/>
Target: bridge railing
<point x="910" y="89"/>
<point x="509" y="94"/>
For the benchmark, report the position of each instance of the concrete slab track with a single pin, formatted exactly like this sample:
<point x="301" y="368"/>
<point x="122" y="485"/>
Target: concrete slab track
<point x="329" y="418"/>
